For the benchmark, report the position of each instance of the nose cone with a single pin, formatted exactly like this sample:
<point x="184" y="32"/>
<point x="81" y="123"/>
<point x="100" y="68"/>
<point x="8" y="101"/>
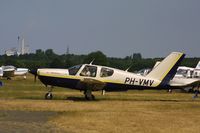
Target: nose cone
<point x="34" y="72"/>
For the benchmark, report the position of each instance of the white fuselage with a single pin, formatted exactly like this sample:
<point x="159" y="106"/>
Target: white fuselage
<point x="20" y="71"/>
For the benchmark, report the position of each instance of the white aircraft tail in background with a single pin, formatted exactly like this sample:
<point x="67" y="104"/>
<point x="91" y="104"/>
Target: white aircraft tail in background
<point x="196" y="73"/>
<point x="198" y="65"/>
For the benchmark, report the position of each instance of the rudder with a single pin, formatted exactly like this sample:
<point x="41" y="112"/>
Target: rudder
<point x="166" y="70"/>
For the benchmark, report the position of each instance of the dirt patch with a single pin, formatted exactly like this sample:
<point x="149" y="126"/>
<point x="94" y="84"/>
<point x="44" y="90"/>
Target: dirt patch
<point x="26" y="121"/>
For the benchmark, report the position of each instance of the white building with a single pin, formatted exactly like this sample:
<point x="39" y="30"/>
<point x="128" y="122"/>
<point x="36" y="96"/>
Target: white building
<point x="11" y="52"/>
<point x="24" y="48"/>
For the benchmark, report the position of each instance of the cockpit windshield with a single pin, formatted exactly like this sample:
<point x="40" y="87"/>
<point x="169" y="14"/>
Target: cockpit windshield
<point x="182" y="72"/>
<point x="186" y="73"/>
<point x="73" y="70"/>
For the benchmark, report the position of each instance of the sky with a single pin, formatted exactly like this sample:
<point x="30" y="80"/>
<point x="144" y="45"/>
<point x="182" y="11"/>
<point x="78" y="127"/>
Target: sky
<point x="118" y="28"/>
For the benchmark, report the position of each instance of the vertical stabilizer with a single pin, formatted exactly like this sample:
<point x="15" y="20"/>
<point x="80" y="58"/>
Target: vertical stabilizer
<point x="157" y="63"/>
<point x="167" y="68"/>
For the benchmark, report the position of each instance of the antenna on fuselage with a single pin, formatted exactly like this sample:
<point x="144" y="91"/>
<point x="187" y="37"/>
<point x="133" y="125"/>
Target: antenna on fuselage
<point x="128" y="68"/>
<point x="92" y="61"/>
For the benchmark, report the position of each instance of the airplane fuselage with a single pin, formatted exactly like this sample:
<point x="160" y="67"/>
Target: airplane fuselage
<point x="119" y="80"/>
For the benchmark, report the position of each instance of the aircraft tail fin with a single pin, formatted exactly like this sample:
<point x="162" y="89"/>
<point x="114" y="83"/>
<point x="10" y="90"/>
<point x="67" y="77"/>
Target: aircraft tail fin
<point x="198" y="65"/>
<point x="167" y="68"/>
<point x="157" y="63"/>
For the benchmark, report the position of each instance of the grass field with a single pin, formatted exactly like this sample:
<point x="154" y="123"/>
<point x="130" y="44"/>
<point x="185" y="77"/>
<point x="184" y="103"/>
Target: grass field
<point x="22" y="109"/>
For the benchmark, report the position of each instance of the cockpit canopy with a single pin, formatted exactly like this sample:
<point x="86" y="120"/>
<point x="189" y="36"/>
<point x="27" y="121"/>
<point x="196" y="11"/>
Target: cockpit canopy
<point x="91" y="71"/>
<point x="74" y="69"/>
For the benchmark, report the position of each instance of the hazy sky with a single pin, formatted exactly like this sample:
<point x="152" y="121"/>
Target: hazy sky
<point x="116" y="27"/>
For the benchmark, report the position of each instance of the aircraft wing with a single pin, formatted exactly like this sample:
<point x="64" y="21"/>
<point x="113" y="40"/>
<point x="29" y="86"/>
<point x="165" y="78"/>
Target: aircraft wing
<point x="21" y="71"/>
<point x="93" y="84"/>
<point x="184" y="82"/>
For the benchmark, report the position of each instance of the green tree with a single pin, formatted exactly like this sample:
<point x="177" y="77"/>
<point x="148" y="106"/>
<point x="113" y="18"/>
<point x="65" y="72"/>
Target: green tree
<point x="137" y="56"/>
<point x="98" y="57"/>
<point x="56" y="63"/>
<point x="39" y="52"/>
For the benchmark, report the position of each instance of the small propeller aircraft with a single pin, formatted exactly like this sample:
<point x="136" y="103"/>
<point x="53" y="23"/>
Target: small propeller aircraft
<point x="11" y="71"/>
<point x="186" y="78"/>
<point x="89" y="77"/>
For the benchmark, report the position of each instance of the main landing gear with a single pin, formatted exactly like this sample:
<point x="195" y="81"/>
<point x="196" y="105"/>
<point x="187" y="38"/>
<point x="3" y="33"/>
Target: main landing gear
<point x="49" y="95"/>
<point x="88" y="95"/>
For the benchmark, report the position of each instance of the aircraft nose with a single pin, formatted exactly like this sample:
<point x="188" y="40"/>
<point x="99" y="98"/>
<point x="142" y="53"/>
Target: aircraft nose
<point x="33" y="71"/>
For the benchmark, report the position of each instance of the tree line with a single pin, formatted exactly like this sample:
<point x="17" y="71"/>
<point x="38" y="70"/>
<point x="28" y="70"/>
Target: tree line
<point x="49" y="59"/>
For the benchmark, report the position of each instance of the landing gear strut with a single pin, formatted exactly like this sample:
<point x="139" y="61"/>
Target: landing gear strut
<point x="49" y="95"/>
<point x="88" y="95"/>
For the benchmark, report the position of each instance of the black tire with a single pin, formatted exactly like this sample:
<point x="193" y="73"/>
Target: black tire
<point x="48" y="96"/>
<point x="92" y="97"/>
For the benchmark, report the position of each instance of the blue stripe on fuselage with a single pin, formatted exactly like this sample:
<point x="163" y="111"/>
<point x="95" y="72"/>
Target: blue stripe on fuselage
<point x="61" y="82"/>
<point x="74" y="84"/>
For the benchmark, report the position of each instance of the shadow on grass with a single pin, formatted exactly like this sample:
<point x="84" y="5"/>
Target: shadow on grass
<point x="73" y="98"/>
<point x="150" y="100"/>
<point x="109" y="98"/>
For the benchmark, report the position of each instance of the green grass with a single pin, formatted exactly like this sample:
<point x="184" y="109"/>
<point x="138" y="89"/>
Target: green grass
<point x="23" y="109"/>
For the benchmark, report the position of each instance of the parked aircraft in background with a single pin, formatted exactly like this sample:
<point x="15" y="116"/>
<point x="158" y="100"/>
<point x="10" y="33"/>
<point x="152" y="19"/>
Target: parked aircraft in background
<point x="21" y="72"/>
<point x="185" y="72"/>
<point x="89" y="77"/>
<point x="196" y="73"/>
<point x="11" y="71"/>
<point x="183" y="77"/>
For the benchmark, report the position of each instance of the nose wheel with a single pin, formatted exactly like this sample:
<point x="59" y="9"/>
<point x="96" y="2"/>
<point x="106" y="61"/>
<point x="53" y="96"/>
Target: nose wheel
<point x="48" y="96"/>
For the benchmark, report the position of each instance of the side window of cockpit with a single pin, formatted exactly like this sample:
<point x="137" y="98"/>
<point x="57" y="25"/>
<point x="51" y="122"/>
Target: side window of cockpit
<point x="89" y="71"/>
<point x="106" y="72"/>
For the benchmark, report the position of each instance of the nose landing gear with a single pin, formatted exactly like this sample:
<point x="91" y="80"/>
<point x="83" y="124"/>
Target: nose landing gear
<point x="49" y="95"/>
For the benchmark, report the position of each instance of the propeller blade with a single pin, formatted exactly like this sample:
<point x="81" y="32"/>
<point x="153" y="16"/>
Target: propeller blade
<point x="34" y="72"/>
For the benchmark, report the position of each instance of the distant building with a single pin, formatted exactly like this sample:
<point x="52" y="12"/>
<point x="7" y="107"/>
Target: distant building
<point x="11" y="52"/>
<point x="24" y="48"/>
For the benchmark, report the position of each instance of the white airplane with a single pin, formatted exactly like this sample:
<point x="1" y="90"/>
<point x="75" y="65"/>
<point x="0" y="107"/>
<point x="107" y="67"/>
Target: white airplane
<point x="11" y="71"/>
<point x="89" y="77"/>
<point x="21" y="72"/>
<point x="184" y="77"/>
<point x="196" y="73"/>
<point x="183" y="71"/>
